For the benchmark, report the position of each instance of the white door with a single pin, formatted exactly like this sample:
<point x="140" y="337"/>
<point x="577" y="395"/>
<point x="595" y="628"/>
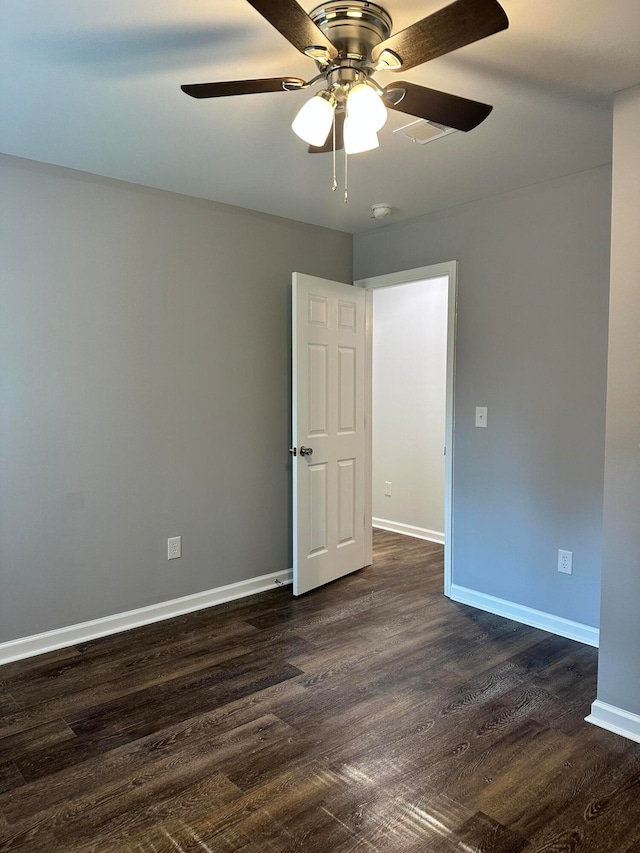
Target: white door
<point x="329" y="439"/>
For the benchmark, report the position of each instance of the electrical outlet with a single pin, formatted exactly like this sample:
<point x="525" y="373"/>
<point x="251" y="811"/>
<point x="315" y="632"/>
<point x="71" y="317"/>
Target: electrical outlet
<point x="565" y="562"/>
<point x="174" y="547"/>
<point x="387" y="489"/>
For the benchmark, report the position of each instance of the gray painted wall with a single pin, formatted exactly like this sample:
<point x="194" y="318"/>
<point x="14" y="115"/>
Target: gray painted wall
<point x="532" y="346"/>
<point x="144" y="392"/>
<point x="619" y="672"/>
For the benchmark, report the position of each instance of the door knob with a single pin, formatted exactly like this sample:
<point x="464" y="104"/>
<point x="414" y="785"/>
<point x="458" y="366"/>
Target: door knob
<point x="306" y="451"/>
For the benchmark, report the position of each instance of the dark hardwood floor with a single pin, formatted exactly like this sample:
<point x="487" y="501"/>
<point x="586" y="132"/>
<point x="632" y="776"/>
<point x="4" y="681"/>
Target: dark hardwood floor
<point x="371" y="715"/>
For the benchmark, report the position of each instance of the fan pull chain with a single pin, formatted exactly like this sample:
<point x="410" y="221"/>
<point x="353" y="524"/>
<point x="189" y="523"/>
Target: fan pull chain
<point x="334" y="186"/>
<point x="346" y="176"/>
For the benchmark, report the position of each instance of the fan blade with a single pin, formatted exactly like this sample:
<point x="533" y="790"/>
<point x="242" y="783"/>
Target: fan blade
<point x="328" y="145"/>
<point x="295" y="25"/>
<point x="449" y="110"/>
<point x="241" y="87"/>
<point x="461" y="23"/>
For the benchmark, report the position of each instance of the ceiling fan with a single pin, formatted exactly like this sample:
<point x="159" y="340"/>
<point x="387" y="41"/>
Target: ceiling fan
<point x="350" y="40"/>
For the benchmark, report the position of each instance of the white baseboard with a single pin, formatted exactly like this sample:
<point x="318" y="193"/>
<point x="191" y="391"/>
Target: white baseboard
<point x="615" y="720"/>
<point x="38" y="644"/>
<point x="527" y="615"/>
<point x="409" y="530"/>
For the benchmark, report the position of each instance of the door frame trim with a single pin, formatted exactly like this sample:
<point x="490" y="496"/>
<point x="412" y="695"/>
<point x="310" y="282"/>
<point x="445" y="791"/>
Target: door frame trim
<point x="450" y="270"/>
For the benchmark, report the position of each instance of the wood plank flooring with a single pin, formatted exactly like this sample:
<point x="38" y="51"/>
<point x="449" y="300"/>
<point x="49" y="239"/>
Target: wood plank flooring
<point x="372" y="716"/>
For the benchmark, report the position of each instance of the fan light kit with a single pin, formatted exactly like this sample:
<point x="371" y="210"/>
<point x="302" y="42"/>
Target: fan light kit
<point x="350" y="40"/>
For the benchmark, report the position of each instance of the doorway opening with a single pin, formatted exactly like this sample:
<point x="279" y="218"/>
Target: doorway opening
<point x="411" y="342"/>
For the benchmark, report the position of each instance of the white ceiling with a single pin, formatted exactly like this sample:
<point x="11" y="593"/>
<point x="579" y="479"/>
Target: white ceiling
<point x="96" y="87"/>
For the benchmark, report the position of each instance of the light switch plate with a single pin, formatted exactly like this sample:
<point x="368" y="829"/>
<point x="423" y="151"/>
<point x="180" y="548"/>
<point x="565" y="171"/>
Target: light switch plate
<point x="481" y="416"/>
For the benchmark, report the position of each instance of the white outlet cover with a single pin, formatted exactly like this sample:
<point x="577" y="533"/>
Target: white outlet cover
<point x="565" y="562"/>
<point x="174" y="547"/>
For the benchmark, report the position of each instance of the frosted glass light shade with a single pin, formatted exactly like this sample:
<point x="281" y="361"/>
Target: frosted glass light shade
<point x="358" y="137"/>
<point x="314" y="120"/>
<point x="365" y="105"/>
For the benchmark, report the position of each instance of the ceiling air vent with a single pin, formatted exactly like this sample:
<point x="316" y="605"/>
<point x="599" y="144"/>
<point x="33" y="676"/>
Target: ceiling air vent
<point x="424" y="131"/>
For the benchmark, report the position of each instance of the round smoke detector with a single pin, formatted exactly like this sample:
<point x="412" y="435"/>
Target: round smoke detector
<point x="381" y="210"/>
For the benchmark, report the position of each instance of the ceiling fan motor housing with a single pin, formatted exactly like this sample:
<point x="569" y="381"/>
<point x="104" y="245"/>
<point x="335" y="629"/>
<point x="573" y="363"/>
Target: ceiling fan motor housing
<point x="355" y="28"/>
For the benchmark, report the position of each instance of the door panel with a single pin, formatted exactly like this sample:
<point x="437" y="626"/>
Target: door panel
<point x="329" y="419"/>
<point x="318" y="537"/>
<point x="318" y="357"/>
<point x="346" y="501"/>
